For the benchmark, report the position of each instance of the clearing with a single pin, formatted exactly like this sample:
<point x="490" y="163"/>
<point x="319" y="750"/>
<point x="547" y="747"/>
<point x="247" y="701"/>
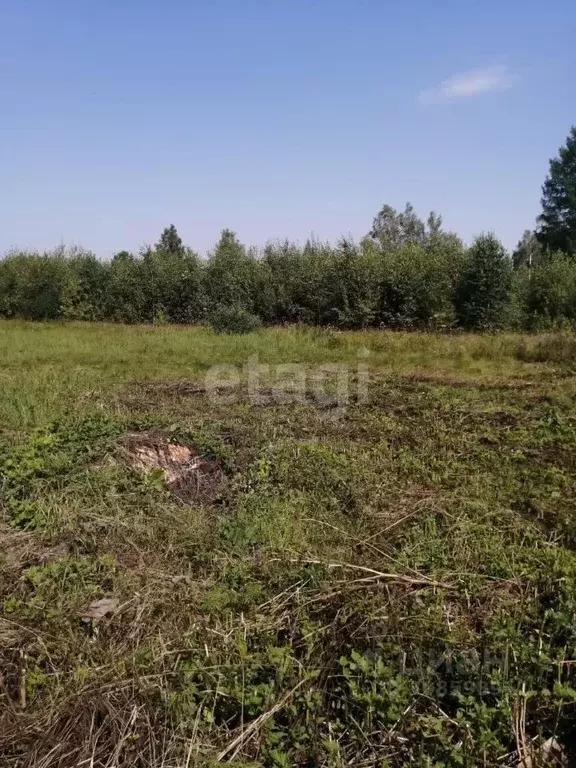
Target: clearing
<point x="340" y="549"/>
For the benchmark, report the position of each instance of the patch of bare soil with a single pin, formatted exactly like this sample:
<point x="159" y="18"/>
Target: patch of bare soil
<point x="189" y="476"/>
<point x="144" y="395"/>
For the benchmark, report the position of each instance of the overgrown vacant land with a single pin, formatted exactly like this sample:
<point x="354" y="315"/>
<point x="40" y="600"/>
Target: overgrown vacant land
<point x="190" y="575"/>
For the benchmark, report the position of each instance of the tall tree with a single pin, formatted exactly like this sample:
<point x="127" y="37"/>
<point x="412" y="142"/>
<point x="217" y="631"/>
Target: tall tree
<point x="484" y="286"/>
<point x="392" y="230"/>
<point x="557" y="230"/>
<point x="528" y="252"/>
<point x="170" y="241"/>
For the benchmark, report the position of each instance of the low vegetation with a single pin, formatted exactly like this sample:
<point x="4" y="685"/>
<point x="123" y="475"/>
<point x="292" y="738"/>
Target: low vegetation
<point x="193" y="573"/>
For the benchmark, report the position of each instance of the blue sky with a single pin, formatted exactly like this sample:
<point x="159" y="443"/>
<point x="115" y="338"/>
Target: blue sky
<point x="276" y="118"/>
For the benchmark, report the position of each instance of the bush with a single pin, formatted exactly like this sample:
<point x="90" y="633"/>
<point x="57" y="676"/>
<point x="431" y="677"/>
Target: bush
<point x="83" y="295"/>
<point x="483" y="293"/>
<point x="230" y="274"/>
<point x="417" y="283"/>
<point x="515" y="313"/>
<point x="415" y="276"/>
<point x="173" y="289"/>
<point x="234" y="320"/>
<point x="127" y="290"/>
<point x="551" y="294"/>
<point x="32" y="285"/>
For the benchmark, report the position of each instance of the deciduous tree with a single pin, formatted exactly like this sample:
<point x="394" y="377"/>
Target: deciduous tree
<point x="484" y="286"/>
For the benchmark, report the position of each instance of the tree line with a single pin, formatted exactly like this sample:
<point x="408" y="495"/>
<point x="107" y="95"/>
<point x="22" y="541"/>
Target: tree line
<point x="406" y="273"/>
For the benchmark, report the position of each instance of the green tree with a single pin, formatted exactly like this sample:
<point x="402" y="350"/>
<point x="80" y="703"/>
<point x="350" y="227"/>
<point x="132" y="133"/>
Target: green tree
<point x="83" y="297"/>
<point x="483" y="290"/>
<point x="417" y="284"/>
<point x="557" y="230"/>
<point x="127" y="289"/>
<point x="170" y="241"/>
<point x="347" y="289"/>
<point x="314" y="285"/>
<point x="174" y="289"/>
<point x="230" y="275"/>
<point x="277" y="283"/>
<point x="528" y="252"/>
<point x="418" y="265"/>
<point x="392" y="230"/>
<point x="550" y="297"/>
<point x="516" y="311"/>
<point x="32" y="285"/>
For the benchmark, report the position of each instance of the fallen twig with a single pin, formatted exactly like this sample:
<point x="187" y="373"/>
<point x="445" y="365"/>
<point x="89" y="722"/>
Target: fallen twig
<point x="375" y="575"/>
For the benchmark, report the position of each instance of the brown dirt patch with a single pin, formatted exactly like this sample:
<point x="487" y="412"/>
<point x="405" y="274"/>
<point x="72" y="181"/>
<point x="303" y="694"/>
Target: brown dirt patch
<point x="142" y="396"/>
<point x="189" y="476"/>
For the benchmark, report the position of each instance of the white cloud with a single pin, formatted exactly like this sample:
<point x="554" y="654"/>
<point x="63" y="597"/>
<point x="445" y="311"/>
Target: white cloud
<point x="467" y="84"/>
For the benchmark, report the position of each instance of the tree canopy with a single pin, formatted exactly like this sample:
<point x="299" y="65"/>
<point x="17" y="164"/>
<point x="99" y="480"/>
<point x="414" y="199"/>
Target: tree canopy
<point x="557" y="222"/>
<point x="408" y="272"/>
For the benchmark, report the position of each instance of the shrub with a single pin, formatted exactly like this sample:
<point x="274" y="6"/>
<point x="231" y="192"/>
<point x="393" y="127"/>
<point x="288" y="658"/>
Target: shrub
<point x="551" y="294"/>
<point x="32" y="285"/>
<point x="417" y="283"/>
<point x="483" y="291"/>
<point x="234" y="320"/>
<point x="333" y="285"/>
<point x="515" y="313"/>
<point x="172" y="285"/>
<point x="230" y="274"/>
<point x="83" y="295"/>
<point x="127" y="288"/>
<point x="402" y="280"/>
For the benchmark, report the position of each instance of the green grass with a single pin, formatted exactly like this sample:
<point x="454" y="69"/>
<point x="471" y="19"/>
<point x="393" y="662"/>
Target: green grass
<point x="388" y="584"/>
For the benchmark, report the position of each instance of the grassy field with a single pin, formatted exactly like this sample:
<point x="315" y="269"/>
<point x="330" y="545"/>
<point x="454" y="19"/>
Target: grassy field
<point x="373" y="566"/>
